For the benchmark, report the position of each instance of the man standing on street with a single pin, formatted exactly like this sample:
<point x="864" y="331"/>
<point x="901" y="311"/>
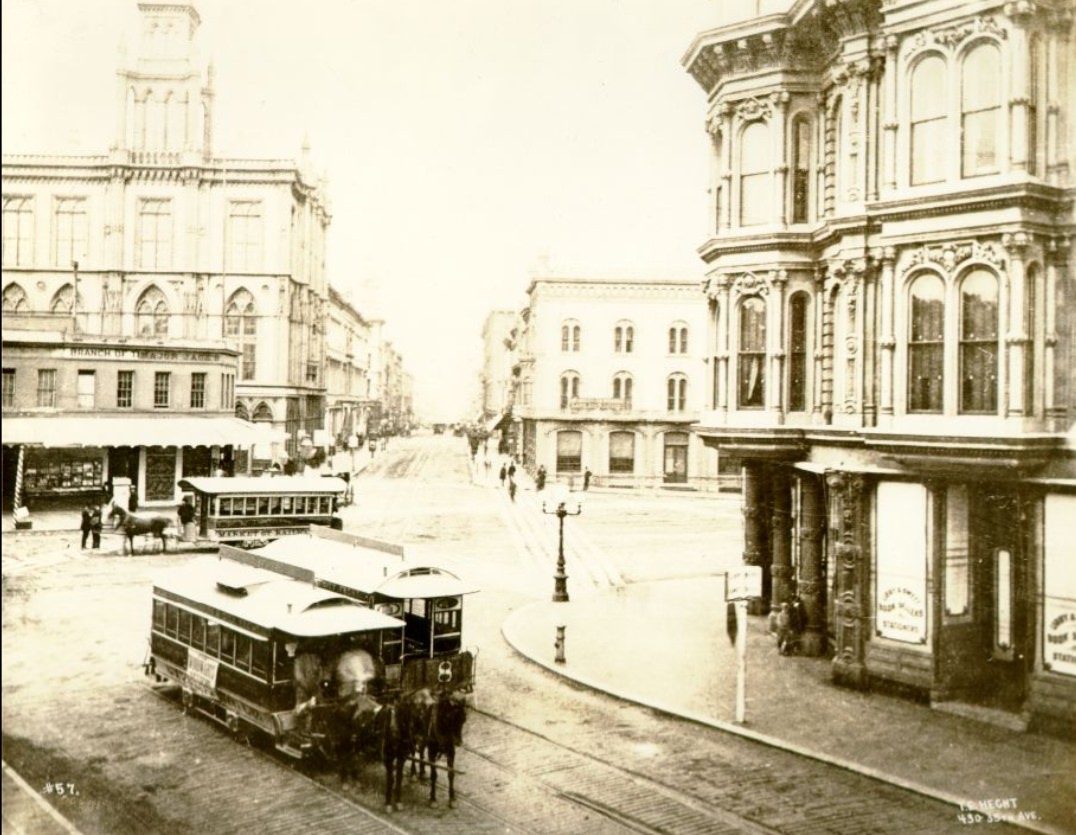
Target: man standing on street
<point x="86" y="526"/>
<point x="186" y="519"/>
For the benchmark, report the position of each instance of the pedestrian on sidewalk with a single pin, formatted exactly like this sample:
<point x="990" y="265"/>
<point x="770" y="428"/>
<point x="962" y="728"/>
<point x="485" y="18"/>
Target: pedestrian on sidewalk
<point x="539" y="480"/>
<point x="186" y="519"/>
<point x="86" y="525"/>
<point x="512" y="470"/>
<point x="504" y="474"/>
<point x="95" y="525"/>
<point x="511" y="488"/>
<point x="586" y="479"/>
<point x="485" y="463"/>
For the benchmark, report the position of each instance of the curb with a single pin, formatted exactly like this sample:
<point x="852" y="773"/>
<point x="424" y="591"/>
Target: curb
<point x="509" y="627"/>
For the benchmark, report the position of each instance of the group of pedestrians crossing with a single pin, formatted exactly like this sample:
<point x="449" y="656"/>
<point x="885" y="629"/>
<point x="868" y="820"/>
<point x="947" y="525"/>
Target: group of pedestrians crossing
<point x="508" y="473"/>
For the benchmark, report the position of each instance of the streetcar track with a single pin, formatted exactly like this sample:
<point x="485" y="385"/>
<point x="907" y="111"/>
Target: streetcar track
<point x="735" y="822"/>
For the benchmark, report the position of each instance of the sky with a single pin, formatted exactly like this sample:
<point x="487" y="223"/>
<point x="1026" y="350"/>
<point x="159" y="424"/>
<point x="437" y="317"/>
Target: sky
<point x="468" y="145"/>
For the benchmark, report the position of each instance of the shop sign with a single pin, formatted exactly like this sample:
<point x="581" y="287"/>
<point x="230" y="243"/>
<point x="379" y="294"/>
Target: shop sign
<point x="1059" y="649"/>
<point x="901" y="615"/>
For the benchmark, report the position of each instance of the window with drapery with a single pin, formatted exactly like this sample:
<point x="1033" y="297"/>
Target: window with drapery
<point x="621" y="452"/>
<point x="569" y="388"/>
<point x="979" y="342"/>
<point x="980" y="110"/>
<point x="676" y="393"/>
<point x="751" y="361"/>
<point x="926" y="344"/>
<point x="797" y="353"/>
<point x="755" y="180"/>
<point x="928" y="94"/>
<point x="622" y="386"/>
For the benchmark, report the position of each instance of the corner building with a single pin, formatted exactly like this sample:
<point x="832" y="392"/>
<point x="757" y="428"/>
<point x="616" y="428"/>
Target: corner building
<point x="891" y="303"/>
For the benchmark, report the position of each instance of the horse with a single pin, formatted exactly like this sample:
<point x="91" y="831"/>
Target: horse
<point x="394" y="727"/>
<point x="439" y="729"/>
<point x="135" y="524"/>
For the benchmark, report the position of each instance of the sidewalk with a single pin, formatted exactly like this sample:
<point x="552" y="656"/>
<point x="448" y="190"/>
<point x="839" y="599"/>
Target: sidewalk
<point x="677" y="629"/>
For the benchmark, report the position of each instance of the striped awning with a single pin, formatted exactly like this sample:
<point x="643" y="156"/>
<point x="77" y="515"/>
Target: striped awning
<point x="110" y="431"/>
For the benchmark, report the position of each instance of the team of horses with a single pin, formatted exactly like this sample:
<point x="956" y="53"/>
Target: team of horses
<point x="354" y="719"/>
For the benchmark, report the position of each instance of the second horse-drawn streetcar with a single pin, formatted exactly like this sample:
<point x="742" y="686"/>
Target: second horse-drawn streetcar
<point x="272" y="638"/>
<point x="252" y="511"/>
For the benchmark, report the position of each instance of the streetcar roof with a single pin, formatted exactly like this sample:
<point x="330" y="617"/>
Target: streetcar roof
<point x="264" y="485"/>
<point x="364" y="569"/>
<point x="269" y="600"/>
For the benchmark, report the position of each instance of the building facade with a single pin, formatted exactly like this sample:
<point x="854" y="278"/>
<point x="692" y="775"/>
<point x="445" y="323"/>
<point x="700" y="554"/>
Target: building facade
<point x="609" y="377"/>
<point x="159" y="239"/>
<point x="347" y="372"/>
<point x="891" y="303"/>
<point x="499" y="332"/>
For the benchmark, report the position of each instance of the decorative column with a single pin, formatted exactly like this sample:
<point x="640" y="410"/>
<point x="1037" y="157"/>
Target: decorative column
<point x="754" y="529"/>
<point x="817" y="304"/>
<point x="784" y="585"/>
<point x="723" y="325"/>
<point x="1016" y="337"/>
<point x="849" y="558"/>
<point x="886" y="341"/>
<point x="775" y="311"/>
<point x="717" y="142"/>
<point x="889" y="114"/>
<point x="780" y="161"/>
<point x="868" y="335"/>
<point x="827" y="352"/>
<point x="724" y="111"/>
<point x="20" y="466"/>
<point x="1020" y="94"/>
<point x="811" y="582"/>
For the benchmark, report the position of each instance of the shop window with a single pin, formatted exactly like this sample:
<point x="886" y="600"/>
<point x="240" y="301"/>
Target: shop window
<point x="198" y="389"/>
<point x="569" y="451"/>
<point x="46" y="388"/>
<point x="9" y="388"/>
<point x="162" y="389"/>
<point x="1003" y="608"/>
<point x="622" y="452"/>
<point x="124" y="389"/>
<point x="901" y="549"/>
<point x="957" y="565"/>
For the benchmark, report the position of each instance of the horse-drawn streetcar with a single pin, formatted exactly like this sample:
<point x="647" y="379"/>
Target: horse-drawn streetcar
<point x="313" y="650"/>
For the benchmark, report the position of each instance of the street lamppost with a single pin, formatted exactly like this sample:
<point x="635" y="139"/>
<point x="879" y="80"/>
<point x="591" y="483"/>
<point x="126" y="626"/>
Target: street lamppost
<point x="561" y="503"/>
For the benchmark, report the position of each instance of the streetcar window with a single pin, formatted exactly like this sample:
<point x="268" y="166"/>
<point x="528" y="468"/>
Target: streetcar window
<point x="212" y="639"/>
<point x="446" y="622"/>
<point x="326" y="505"/>
<point x="198" y="632"/>
<point x="225" y="506"/>
<point x="171" y="623"/>
<point x="263" y="506"/>
<point x="242" y="652"/>
<point x="158" y="615"/>
<point x="302" y="505"/>
<point x="274" y="505"/>
<point x="285" y="503"/>
<point x="252" y="505"/>
<point x="259" y="658"/>
<point x="284" y="666"/>
<point x="227" y="646"/>
<point x="184" y="633"/>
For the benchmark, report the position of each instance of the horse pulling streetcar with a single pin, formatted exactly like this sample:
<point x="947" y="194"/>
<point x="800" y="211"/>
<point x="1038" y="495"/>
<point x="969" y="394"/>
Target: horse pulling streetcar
<point x="328" y="643"/>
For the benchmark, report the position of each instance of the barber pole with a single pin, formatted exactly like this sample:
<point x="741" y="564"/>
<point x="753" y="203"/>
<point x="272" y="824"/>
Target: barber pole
<point x="17" y="499"/>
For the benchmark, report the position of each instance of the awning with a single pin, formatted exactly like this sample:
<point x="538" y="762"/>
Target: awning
<point x="109" y="431"/>
<point x="498" y="421"/>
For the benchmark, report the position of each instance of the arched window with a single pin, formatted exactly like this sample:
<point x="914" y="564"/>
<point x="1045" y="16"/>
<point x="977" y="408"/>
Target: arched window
<point x="797" y="353"/>
<point x="569" y="388"/>
<point x="678" y="338"/>
<point x="751" y="369"/>
<point x="755" y="185"/>
<point x="262" y="413"/>
<point x="63" y="301"/>
<point x="624" y="338"/>
<point x="151" y="313"/>
<point x="926" y="344"/>
<point x="801" y="169"/>
<point x="569" y="336"/>
<point x="622" y="386"/>
<point x="676" y="393"/>
<point x="928" y="120"/>
<point x="980" y="110"/>
<point x="241" y="325"/>
<point x="15" y="300"/>
<point x="979" y="342"/>
<point x="241" y="411"/>
<point x="621" y="452"/>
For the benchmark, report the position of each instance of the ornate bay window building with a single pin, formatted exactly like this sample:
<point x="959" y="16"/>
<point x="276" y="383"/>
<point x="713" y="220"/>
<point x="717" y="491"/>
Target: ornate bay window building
<point x="891" y="302"/>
